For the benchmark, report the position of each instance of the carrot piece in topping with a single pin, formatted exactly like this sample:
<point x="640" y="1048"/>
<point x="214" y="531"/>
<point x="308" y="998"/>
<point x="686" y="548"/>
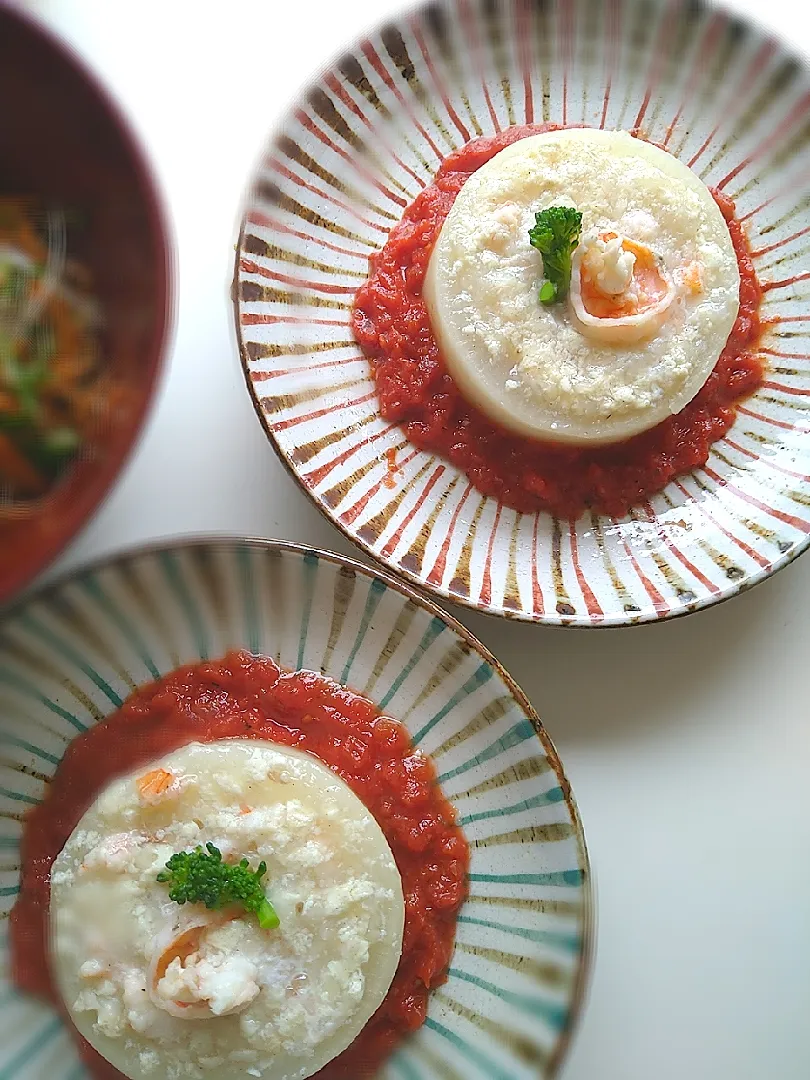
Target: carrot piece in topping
<point x="154" y="784"/>
<point x="693" y="278"/>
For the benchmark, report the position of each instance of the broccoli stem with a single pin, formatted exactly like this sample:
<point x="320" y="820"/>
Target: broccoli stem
<point x="266" y="914"/>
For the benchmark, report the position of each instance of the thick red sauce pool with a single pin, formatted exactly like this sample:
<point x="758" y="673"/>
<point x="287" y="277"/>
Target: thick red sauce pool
<point x="392" y="326"/>
<point x="250" y="697"/>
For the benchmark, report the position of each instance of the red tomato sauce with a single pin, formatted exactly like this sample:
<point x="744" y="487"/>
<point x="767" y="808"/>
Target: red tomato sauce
<point x="250" y="697"/>
<point x="392" y="326"/>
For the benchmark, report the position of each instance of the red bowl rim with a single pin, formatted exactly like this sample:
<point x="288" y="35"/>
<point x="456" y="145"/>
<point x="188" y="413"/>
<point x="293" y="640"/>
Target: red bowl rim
<point x="89" y="496"/>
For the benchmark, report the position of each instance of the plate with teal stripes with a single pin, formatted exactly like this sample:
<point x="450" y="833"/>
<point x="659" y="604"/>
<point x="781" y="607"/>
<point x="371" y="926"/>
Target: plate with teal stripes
<point x="72" y="654"/>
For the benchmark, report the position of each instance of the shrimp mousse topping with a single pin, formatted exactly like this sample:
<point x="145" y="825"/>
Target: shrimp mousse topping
<point x="231" y="910"/>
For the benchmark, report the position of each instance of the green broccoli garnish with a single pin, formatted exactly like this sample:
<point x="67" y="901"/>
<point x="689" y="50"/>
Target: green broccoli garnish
<point x="555" y="235"/>
<point x="197" y="877"/>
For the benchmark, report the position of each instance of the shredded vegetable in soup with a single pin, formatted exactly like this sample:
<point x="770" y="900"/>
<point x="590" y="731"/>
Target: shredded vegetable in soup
<point x="49" y="357"/>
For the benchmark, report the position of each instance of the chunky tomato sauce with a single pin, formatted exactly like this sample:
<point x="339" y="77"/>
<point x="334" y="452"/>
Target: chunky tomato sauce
<point x="250" y="697"/>
<point x="392" y="326"/>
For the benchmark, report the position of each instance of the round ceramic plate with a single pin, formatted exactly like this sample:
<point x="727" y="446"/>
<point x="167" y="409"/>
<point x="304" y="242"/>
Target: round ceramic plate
<point x="69" y="656"/>
<point x="361" y="143"/>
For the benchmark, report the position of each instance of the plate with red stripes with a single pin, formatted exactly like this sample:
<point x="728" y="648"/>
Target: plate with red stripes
<point x="365" y="139"/>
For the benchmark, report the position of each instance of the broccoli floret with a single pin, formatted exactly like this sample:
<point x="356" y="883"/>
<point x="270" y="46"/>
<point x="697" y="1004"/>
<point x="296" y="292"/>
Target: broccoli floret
<point x="556" y="234"/>
<point x="201" y="877"/>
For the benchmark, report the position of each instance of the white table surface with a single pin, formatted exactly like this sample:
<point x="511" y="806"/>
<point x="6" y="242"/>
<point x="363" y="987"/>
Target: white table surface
<point x="687" y="744"/>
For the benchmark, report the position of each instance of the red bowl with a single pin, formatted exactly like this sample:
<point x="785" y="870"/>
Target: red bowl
<point x="64" y="141"/>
